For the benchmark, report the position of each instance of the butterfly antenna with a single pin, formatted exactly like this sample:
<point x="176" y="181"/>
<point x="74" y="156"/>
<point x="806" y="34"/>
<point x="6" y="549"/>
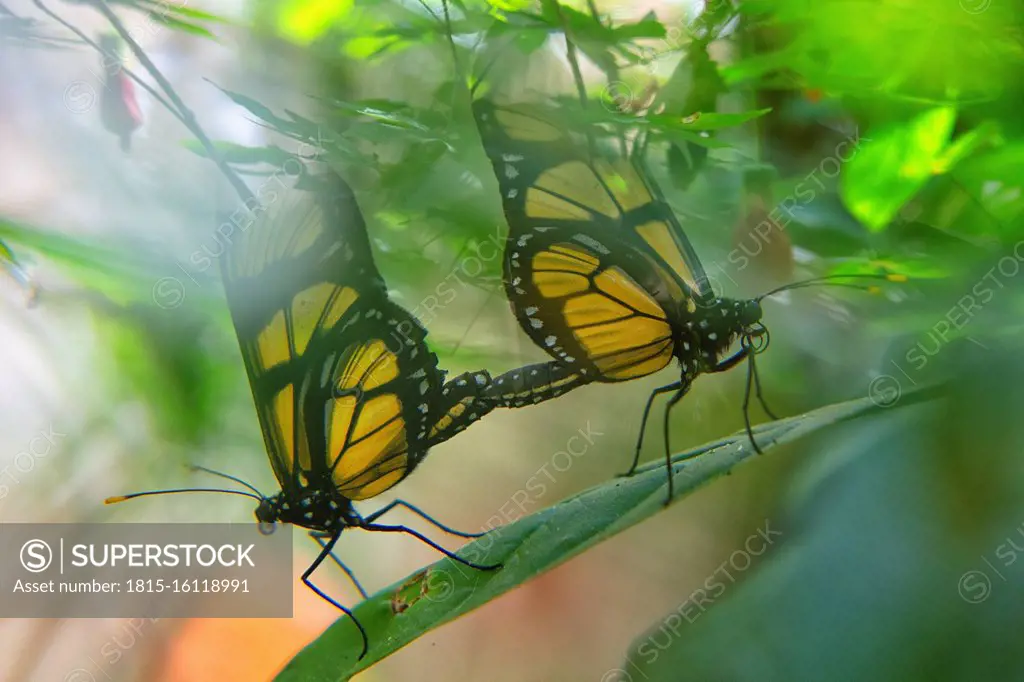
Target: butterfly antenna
<point x="196" y="467"/>
<point x="131" y="496"/>
<point x="255" y="494"/>
<point x="828" y="281"/>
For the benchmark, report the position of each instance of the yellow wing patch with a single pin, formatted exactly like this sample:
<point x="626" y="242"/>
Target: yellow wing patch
<point x="562" y="270"/>
<point x="283" y="406"/>
<point x="375" y="481"/>
<point x="376" y="457"/>
<point x="565" y="259"/>
<point x="540" y="204"/>
<point x="321" y="305"/>
<point x="526" y="128"/>
<point x="368" y="366"/>
<point x="593" y="309"/>
<point x="619" y="337"/>
<point x="379" y="416"/>
<point x="620" y="286"/>
<point x="342" y="411"/>
<point x="658" y="235"/>
<point x="637" y="362"/>
<point x="272" y="342"/>
<point x="617" y="324"/>
<point x="367" y="437"/>
<point x="575" y="182"/>
<point x="625" y="184"/>
<point x="365" y="454"/>
<point x="558" y="284"/>
<point x="575" y="191"/>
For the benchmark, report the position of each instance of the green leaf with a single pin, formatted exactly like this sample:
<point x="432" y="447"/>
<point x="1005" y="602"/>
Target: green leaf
<point x="877" y="532"/>
<point x="965" y="145"/>
<point x="303" y="21"/>
<point x="406" y="610"/>
<point x="264" y="113"/>
<point x="9" y="263"/>
<point x="237" y="153"/>
<point x="893" y="165"/>
<point x="705" y="121"/>
<point x="384" y="112"/>
<point x="98" y="266"/>
<point x="24" y="32"/>
<point x="193" y="13"/>
<point x="182" y="25"/>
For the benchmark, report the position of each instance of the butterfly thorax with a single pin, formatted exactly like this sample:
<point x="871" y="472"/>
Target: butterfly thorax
<point x="310" y="507"/>
<point x="711" y="330"/>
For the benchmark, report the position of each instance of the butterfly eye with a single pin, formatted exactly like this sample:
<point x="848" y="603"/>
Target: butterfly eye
<point x="267" y="527"/>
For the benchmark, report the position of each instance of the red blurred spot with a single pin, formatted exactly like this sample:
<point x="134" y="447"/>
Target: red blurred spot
<point x="215" y="649"/>
<point x="119" y="108"/>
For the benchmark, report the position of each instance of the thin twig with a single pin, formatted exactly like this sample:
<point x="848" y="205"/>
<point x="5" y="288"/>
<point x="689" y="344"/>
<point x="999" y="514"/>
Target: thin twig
<point x="99" y="48"/>
<point x="451" y="42"/>
<point x="570" y="52"/>
<point x="577" y="75"/>
<point x="187" y="117"/>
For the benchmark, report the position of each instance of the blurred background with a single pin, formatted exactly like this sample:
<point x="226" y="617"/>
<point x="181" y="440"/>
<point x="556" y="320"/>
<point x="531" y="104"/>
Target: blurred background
<point x="792" y="138"/>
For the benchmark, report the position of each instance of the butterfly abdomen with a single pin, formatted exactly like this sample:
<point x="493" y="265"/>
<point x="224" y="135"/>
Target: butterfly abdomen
<point x="533" y="384"/>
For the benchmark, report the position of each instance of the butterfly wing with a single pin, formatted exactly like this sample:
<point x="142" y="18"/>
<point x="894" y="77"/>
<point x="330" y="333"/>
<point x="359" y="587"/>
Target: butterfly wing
<point x="546" y="179"/>
<point x="372" y="403"/>
<point x="331" y="361"/>
<point x="577" y="301"/>
<point x="595" y="264"/>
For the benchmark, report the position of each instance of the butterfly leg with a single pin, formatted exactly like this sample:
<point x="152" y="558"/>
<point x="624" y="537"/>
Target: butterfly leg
<point x="757" y="391"/>
<point x="324" y="553"/>
<point x="643" y="422"/>
<point x="753" y="384"/>
<point x="422" y="514"/>
<point x="427" y="541"/>
<point x="322" y="540"/>
<point x="683" y="390"/>
<point x="746" y="408"/>
<point x="732" y="361"/>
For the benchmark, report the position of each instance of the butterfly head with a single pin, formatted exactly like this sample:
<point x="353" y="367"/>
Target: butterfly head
<point x="748" y="313"/>
<point x="754" y="335"/>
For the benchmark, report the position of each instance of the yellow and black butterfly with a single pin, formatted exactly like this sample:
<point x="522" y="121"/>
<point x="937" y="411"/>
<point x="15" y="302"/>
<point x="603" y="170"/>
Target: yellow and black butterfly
<point x="596" y="267"/>
<point x="349" y="396"/>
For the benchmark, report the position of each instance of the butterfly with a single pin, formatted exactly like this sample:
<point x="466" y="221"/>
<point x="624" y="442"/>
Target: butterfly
<point x="597" y="269"/>
<point x="348" y="395"/>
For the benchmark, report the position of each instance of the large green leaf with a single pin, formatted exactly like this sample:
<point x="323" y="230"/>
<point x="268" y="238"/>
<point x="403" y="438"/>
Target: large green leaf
<point x="894" y="165"/>
<point x="399" y="614"/>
